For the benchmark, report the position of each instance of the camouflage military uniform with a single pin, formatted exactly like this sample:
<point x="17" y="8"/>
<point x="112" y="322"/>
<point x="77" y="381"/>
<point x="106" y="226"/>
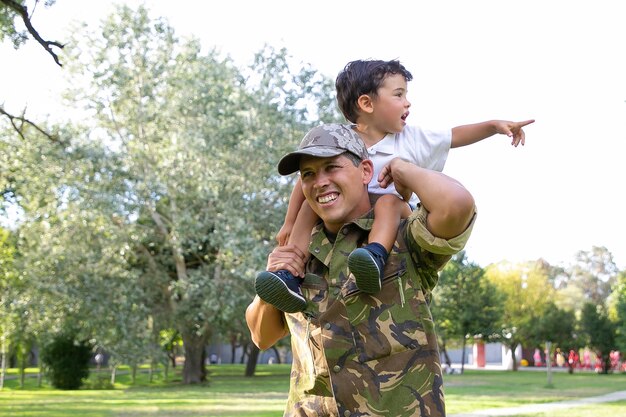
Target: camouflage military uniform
<point x="369" y="355"/>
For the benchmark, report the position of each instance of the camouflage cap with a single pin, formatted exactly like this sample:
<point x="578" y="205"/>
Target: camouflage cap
<point x="324" y="141"/>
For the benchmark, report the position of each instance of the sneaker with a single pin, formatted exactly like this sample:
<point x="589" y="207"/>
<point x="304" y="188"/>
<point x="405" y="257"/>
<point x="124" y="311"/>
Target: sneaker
<point x="367" y="268"/>
<point x="281" y="289"/>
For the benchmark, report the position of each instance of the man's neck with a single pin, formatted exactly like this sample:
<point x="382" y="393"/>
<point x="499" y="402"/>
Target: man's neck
<point x="330" y="236"/>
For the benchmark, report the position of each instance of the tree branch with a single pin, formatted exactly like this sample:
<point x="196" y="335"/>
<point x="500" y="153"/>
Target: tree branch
<point x="23" y="12"/>
<point x="18" y="123"/>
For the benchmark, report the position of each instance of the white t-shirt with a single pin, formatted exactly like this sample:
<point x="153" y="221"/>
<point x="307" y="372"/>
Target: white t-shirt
<point x="425" y="148"/>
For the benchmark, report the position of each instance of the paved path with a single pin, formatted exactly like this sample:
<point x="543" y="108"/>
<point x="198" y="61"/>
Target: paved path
<point x="545" y="407"/>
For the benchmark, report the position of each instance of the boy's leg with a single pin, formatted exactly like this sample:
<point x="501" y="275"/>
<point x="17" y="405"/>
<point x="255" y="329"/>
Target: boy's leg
<point x="367" y="263"/>
<point x="281" y="288"/>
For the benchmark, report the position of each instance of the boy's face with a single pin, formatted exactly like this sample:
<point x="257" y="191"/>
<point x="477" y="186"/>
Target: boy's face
<point x="390" y="106"/>
<point x="336" y="189"/>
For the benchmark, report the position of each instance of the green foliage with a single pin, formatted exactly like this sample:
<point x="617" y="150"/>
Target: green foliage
<point x="557" y="326"/>
<point x="590" y="278"/>
<point x="462" y="287"/>
<point x="8" y="15"/>
<point x="599" y="332"/>
<point x="527" y="290"/>
<point x="66" y="361"/>
<point x="7" y="26"/>
<point x="158" y="208"/>
<point x="8" y="272"/>
<point x="619" y="295"/>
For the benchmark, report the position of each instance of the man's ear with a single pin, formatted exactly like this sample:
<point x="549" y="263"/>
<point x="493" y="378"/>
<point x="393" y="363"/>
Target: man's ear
<point x="365" y="103"/>
<point x="368" y="170"/>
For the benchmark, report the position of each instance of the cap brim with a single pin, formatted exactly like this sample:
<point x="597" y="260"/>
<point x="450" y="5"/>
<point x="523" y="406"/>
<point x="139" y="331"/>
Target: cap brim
<point x="290" y="163"/>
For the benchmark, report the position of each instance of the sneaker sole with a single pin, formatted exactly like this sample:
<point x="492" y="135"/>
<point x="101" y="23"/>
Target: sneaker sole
<point x="365" y="271"/>
<point x="274" y="291"/>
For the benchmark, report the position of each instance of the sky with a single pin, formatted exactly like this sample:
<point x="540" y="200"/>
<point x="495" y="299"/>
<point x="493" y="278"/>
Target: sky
<point x="562" y="63"/>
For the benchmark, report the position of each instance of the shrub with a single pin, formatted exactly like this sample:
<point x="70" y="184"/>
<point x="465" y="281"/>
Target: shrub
<point x="66" y="361"/>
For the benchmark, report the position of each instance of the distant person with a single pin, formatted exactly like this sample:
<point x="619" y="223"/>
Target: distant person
<point x="372" y="94"/>
<point x="99" y="359"/>
<point x="354" y="353"/>
<point x="537" y="357"/>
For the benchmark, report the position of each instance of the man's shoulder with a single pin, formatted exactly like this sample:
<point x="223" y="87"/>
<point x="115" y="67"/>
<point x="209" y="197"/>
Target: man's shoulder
<point x="427" y="250"/>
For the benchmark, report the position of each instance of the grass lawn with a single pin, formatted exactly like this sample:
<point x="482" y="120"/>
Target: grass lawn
<point x="230" y="394"/>
<point x="477" y="390"/>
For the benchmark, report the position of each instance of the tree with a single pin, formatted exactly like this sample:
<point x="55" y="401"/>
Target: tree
<point x="157" y="209"/>
<point x="527" y="290"/>
<point x="9" y="11"/>
<point x="465" y="304"/>
<point x="182" y="127"/>
<point x="556" y="328"/>
<point x="619" y="297"/>
<point x="594" y="273"/>
<point x="8" y="281"/>
<point x="599" y="332"/>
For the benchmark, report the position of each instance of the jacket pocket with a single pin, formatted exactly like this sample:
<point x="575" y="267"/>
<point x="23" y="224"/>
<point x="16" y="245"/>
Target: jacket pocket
<point x="391" y="321"/>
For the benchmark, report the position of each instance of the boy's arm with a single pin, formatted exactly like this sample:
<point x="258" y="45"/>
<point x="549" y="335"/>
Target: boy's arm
<point x="295" y="203"/>
<point x="468" y="134"/>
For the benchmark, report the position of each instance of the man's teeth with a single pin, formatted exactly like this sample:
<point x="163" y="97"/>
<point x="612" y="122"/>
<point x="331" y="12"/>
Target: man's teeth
<point x="327" y="198"/>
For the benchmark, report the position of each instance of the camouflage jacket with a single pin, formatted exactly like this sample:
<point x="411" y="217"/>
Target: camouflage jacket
<point x="369" y="355"/>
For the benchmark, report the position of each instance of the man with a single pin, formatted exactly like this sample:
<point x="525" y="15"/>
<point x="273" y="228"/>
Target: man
<point x="357" y="354"/>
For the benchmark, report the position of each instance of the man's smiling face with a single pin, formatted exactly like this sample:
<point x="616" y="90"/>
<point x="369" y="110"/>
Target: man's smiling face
<point x="335" y="188"/>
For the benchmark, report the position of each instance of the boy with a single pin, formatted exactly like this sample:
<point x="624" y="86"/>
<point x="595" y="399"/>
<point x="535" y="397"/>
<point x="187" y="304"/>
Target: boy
<point x="372" y="95"/>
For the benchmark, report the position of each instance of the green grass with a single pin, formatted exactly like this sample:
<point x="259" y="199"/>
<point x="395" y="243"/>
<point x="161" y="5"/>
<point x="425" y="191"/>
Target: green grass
<point x="230" y="394"/>
<point x="489" y="389"/>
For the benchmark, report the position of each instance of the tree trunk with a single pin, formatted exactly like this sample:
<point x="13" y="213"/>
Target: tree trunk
<point x="549" y="362"/>
<point x="233" y="350"/>
<point x="151" y="371"/>
<point x="244" y="352"/>
<point x="252" y="360"/>
<point x="22" y="373"/>
<point x="22" y="358"/>
<point x="166" y="369"/>
<point x="463" y="356"/>
<point x="513" y="358"/>
<point x="39" y="371"/>
<point x="194" y="371"/>
<point x="113" y="369"/>
<point x="3" y="360"/>
<point x="606" y="363"/>
<point x="276" y="353"/>
<point x="444" y="350"/>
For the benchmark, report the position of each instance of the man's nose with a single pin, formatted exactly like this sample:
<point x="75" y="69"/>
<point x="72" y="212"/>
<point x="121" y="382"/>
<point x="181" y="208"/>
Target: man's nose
<point x="321" y="180"/>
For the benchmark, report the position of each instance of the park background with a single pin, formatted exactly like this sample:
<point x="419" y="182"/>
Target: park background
<point x="140" y="195"/>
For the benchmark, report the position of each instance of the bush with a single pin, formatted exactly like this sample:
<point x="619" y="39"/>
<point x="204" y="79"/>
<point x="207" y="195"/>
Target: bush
<point x="66" y="361"/>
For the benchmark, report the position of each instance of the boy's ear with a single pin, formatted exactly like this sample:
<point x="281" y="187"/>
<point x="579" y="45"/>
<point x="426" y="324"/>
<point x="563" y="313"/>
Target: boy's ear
<point x="365" y="103"/>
